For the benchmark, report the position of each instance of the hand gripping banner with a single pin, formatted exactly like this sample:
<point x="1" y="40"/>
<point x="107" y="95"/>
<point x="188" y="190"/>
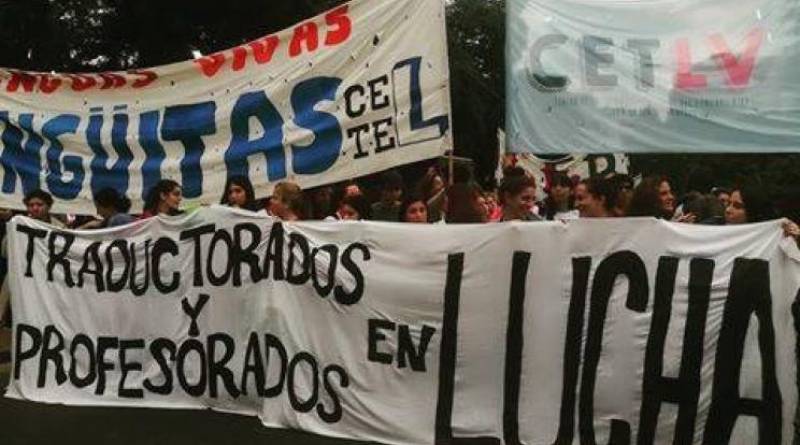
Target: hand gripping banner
<point x="608" y="331"/>
<point x="358" y="89"/>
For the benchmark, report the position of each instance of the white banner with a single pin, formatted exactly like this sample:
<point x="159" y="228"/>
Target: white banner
<point x="605" y="331"/>
<point x="359" y="89"/>
<point x="604" y="76"/>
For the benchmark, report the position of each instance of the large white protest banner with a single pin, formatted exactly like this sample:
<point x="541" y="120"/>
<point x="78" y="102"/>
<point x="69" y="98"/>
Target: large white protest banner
<point x="359" y="89"/>
<point x="603" y="76"/>
<point x="607" y="331"/>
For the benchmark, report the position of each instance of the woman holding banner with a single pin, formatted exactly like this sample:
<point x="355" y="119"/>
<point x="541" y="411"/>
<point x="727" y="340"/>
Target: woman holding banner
<point x="164" y="199"/>
<point x="239" y="194"/>
<point x="287" y="202"/>
<point x="518" y="198"/>
<point x="112" y="210"/>
<point x="352" y="208"/>
<point x="748" y="205"/>
<point x="595" y="198"/>
<point x="751" y="204"/>
<point x="414" y="210"/>
<point x="653" y="197"/>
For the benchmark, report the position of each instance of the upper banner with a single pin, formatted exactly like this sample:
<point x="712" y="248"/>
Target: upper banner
<point x="604" y="76"/>
<point x="605" y="331"/>
<point x="356" y="90"/>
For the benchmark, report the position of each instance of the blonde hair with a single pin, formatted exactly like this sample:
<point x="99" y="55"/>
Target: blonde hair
<point x="291" y="195"/>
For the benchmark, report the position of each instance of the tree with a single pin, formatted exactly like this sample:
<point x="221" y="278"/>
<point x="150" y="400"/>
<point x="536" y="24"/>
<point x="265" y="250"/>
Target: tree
<point x="476" y="35"/>
<point x="102" y="35"/>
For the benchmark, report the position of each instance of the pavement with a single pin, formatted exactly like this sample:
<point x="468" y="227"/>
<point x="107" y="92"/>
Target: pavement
<point x="37" y="423"/>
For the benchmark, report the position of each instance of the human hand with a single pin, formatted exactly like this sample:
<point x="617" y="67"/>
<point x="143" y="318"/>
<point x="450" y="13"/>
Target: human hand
<point x="790" y="229"/>
<point x="688" y="218"/>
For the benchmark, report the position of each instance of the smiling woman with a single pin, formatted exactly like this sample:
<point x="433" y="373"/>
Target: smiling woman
<point x="163" y="199"/>
<point x="653" y="197"/>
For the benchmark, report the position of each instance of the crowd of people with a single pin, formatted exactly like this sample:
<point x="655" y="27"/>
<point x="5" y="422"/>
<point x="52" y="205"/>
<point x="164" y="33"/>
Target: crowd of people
<point x="433" y="200"/>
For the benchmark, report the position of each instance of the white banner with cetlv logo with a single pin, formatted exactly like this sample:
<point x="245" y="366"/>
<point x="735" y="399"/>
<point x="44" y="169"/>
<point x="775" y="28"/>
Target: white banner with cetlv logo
<point x="600" y="76"/>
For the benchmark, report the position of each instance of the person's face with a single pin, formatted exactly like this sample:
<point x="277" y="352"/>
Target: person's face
<point x="725" y="199"/>
<point x="172" y="199"/>
<point x="560" y="193"/>
<point x="276" y="206"/>
<point x="491" y="202"/>
<point x="587" y="204"/>
<point x="522" y="203"/>
<point x="735" y="213"/>
<point x="352" y="190"/>
<point x="417" y="212"/>
<point x="483" y="207"/>
<point x="347" y="212"/>
<point x="38" y="209"/>
<point x="666" y="198"/>
<point x="237" y="197"/>
<point x="392" y="195"/>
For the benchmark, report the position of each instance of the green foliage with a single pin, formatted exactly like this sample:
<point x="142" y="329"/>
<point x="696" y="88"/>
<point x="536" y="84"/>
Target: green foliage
<point x="476" y="37"/>
<point x="99" y="35"/>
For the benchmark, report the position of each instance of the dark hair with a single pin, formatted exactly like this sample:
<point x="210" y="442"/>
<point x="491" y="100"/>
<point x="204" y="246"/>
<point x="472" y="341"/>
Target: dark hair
<point x="757" y="204"/>
<point x="401" y="214"/>
<point x="154" y="195"/>
<point x="645" y="200"/>
<point x="717" y="191"/>
<point x="111" y="199"/>
<point x="425" y="185"/>
<point x="462" y="173"/>
<point x="250" y="196"/>
<point x="462" y="204"/>
<point x="705" y="207"/>
<point x="514" y="185"/>
<point x="602" y="188"/>
<point x="513" y="171"/>
<point x="700" y="180"/>
<point x="360" y="204"/>
<point x="317" y="208"/>
<point x="620" y="182"/>
<point x="391" y="180"/>
<point x="560" y="179"/>
<point x="38" y="194"/>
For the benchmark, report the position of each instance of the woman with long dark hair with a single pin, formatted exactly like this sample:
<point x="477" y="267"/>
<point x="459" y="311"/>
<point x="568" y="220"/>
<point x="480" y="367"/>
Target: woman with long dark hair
<point x="413" y="210"/>
<point x="239" y="194"/>
<point x="112" y="208"/>
<point x="163" y="199"/>
<point x="595" y="198"/>
<point x="749" y="204"/>
<point x="352" y="208"/>
<point x="653" y="197"/>
<point x="465" y="204"/>
<point x="560" y="202"/>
